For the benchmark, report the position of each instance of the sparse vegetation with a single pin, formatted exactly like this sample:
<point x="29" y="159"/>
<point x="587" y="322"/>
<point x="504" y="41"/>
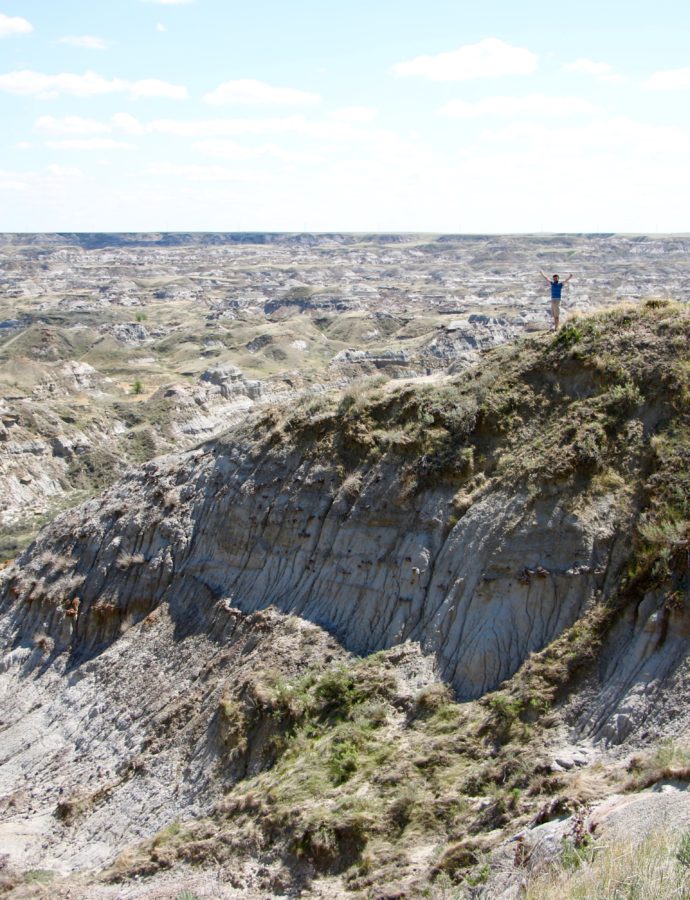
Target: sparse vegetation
<point x="644" y="870"/>
<point x="341" y="770"/>
<point x="669" y="760"/>
<point x="127" y="560"/>
<point x="361" y="775"/>
<point x="562" y="409"/>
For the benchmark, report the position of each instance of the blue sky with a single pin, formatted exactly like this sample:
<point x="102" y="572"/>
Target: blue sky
<point x="380" y="115"/>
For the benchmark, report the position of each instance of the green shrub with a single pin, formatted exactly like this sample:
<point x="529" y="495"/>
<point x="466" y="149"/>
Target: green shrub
<point x="38" y="876"/>
<point x="574" y="854"/>
<point x="623" y="398"/>
<point x="568" y="336"/>
<point x="683" y="851"/>
<point x="479" y="876"/>
<point x="343" y="761"/>
<point x="337" y="693"/>
<point x="656" y="303"/>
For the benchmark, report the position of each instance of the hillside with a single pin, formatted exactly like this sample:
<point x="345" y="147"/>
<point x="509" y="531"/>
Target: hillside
<point x="117" y="348"/>
<point x="359" y="643"/>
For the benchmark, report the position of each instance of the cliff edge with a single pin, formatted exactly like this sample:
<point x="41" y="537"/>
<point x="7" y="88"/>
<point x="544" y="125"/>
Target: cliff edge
<point x="493" y="564"/>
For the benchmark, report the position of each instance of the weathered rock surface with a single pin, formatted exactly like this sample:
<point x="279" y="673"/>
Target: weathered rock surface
<point x="472" y="546"/>
<point x="145" y="748"/>
<point x="96" y="320"/>
<point x="232" y="382"/>
<point x="368" y="569"/>
<point x="618" y="820"/>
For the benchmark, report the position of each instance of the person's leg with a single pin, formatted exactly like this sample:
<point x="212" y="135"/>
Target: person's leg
<point x="556" y="313"/>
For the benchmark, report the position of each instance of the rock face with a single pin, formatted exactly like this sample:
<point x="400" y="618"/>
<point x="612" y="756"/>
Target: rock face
<point x="395" y="363"/>
<point x="165" y="565"/>
<point x="618" y="820"/>
<point x="54" y="447"/>
<point x="374" y="573"/>
<point x="232" y="382"/>
<point x="151" y="749"/>
<point x="220" y="525"/>
<point x="477" y="523"/>
<point x="480" y="579"/>
<point x="463" y="339"/>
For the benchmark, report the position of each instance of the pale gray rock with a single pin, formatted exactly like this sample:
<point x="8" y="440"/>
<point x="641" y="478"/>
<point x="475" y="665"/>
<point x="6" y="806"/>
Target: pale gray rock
<point x="373" y="571"/>
<point x="129" y="332"/>
<point x="232" y="382"/>
<point x="380" y="359"/>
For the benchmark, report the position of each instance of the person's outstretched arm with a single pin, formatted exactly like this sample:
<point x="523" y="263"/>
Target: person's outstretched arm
<point x="568" y="278"/>
<point x="543" y="273"/>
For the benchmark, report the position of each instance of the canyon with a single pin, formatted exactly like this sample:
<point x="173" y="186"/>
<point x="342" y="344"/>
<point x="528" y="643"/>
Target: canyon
<point x="386" y="622"/>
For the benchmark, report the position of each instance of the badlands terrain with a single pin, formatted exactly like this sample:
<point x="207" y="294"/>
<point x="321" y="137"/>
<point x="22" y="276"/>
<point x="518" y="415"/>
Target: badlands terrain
<point x="355" y="580"/>
<point x="115" y="348"/>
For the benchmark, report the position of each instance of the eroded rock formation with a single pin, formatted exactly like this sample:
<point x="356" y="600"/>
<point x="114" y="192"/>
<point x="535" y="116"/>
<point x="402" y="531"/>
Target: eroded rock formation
<point x="476" y="525"/>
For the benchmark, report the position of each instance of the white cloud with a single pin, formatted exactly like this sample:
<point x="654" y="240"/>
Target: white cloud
<point x="326" y="129"/>
<point x="23" y="145"/>
<point x="88" y="41"/>
<point x="533" y="104"/>
<point x="220" y="127"/>
<point x="669" y="80"/>
<point x="51" y="178"/>
<point x="201" y="173"/>
<point x="615" y="136"/>
<point x="127" y="123"/>
<point x="248" y="90"/>
<point x="225" y="149"/>
<point x="487" y="59"/>
<point x="12" y="181"/>
<point x="160" y="27"/>
<point x="232" y="150"/>
<point x="601" y="70"/>
<point x="65" y="171"/>
<point x="71" y="125"/>
<point x="355" y="114"/>
<point x="204" y="128"/>
<point x="602" y="175"/>
<point x="588" y="67"/>
<point x="616" y="174"/>
<point x="89" y="144"/>
<point x="14" y="25"/>
<point x="90" y="84"/>
<point x="154" y="87"/>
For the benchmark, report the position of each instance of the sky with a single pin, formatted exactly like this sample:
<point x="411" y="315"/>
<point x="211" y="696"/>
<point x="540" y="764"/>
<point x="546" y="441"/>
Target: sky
<point x="367" y="115"/>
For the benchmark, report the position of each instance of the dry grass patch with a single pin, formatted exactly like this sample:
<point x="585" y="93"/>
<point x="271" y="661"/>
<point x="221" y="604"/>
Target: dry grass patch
<point x="670" y="761"/>
<point x="658" y="867"/>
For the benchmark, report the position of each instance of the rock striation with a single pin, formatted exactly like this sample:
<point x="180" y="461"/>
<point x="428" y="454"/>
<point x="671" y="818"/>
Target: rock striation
<point x="280" y="522"/>
<point x="479" y="522"/>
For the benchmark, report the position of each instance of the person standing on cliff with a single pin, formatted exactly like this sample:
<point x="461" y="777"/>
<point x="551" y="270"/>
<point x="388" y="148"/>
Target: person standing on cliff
<point x="556" y="288"/>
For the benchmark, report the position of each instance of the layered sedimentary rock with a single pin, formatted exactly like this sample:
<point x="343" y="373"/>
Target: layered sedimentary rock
<point x="472" y="523"/>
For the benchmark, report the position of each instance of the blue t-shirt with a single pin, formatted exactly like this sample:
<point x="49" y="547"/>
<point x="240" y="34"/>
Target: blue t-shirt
<point x="556" y="288"/>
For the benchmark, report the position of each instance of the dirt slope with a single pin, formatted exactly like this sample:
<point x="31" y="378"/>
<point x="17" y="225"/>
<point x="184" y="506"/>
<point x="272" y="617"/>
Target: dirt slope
<point x="521" y="529"/>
